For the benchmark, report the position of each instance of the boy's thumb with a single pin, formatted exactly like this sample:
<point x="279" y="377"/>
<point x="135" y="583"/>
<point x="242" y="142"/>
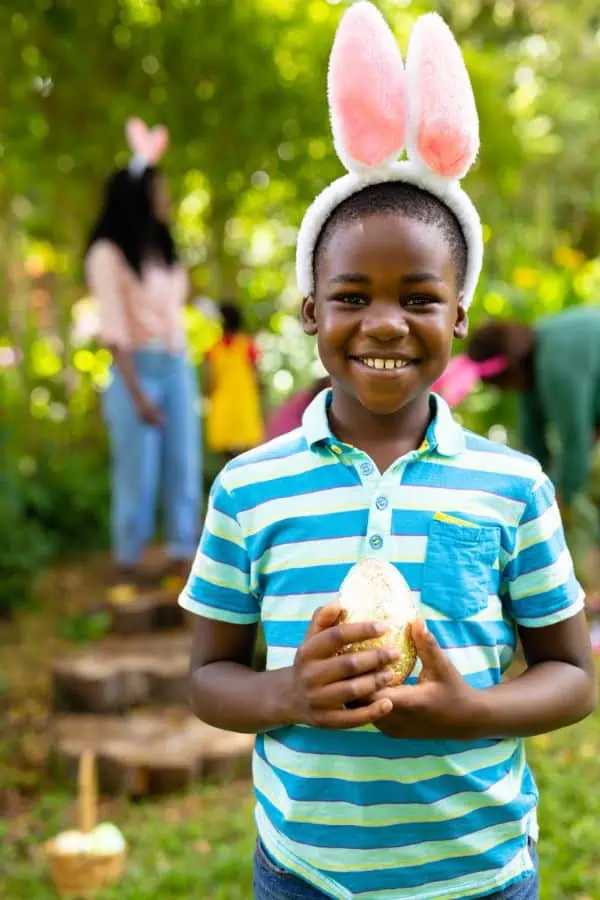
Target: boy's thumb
<point x="428" y="649"/>
<point x="324" y="617"/>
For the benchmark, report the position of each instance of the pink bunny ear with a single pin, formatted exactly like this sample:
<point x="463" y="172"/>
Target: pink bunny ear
<point x="444" y="127"/>
<point x="366" y="87"/>
<point x="137" y="135"/>
<point x="145" y="143"/>
<point x="160" y="142"/>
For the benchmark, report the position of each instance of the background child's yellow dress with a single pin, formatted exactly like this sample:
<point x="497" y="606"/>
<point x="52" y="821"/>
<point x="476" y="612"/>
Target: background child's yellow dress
<point x="234" y="420"/>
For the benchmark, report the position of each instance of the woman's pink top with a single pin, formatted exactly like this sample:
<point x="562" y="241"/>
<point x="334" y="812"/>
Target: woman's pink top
<point x="137" y="312"/>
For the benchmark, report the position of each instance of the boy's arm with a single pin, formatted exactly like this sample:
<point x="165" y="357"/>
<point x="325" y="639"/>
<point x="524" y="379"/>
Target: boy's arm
<point x="225" y="691"/>
<point x="557" y="689"/>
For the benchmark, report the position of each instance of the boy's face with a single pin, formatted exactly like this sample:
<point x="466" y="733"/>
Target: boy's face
<point x="385" y="309"/>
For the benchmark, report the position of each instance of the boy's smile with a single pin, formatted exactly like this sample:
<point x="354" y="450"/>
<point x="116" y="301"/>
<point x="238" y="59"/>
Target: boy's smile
<point x="385" y="310"/>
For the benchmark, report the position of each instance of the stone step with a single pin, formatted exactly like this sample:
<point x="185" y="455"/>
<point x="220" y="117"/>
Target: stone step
<point x="139" y="612"/>
<point x="119" y="673"/>
<point x="151" y="751"/>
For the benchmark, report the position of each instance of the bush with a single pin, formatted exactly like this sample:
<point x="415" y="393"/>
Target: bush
<point x="26" y="548"/>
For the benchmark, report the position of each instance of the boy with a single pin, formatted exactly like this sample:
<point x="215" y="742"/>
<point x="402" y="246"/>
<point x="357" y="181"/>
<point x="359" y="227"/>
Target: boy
<point x="420" y="791"/>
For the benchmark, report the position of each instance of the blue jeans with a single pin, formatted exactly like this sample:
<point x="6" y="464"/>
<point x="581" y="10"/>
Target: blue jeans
<point x="143" y="455"/>
<point x="274" y="883"/>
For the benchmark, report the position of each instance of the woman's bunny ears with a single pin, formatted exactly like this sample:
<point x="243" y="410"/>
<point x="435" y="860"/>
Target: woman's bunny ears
<point x="148" y="145"/>
<point x="378" y="107"/>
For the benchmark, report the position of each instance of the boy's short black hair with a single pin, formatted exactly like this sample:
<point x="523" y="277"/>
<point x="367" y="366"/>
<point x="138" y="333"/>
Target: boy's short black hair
<point x="407" y="200"/>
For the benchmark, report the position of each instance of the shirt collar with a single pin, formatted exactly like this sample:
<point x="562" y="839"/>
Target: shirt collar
<point x="444" y="434"/>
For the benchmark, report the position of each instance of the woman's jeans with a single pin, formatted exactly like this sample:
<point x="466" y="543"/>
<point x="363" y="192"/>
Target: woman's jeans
<point x="273" y="883"/>
<point x="145" y="457"/>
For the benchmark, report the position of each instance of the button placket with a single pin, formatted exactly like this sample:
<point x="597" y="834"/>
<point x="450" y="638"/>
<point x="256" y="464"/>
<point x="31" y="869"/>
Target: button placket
<point x="380" y="515"/>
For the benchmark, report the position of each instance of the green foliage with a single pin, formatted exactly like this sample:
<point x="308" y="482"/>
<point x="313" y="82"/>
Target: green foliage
<point x="25" y="551"/>
<point x="241" y="86"/>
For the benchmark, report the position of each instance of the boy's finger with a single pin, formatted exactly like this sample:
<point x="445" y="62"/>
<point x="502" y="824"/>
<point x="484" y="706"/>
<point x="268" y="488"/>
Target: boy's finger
<point x="429" y="651"/>
<point x="332" y="696"/>
<point x="323" y="617"/>
<point x="354" y="718"/>
<point x="349" y="665"/>
<point x="331" y="640"/>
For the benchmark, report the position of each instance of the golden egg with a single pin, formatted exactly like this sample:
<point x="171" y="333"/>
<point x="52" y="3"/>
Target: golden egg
<point x="375" y="591"/>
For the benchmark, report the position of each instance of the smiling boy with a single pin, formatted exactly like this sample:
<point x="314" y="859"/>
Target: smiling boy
<point x="417" y="792"/>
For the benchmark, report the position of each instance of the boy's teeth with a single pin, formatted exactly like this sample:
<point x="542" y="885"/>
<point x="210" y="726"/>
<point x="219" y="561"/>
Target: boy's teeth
<point x="376" y="363"/>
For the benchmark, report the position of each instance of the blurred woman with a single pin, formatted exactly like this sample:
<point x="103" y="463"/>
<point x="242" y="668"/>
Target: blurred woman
<point x="151" y="404"/>
<point x="234" y="420"/>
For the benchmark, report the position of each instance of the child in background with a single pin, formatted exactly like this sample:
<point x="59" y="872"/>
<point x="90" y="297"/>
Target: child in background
<point x="234" y="421"/>
<point x="417" y="792"/>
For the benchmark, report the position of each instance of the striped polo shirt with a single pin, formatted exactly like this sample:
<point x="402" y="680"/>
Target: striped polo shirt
<point x="474" y="529"/>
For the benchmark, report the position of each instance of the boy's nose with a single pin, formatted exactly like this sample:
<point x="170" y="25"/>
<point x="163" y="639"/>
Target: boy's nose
<point x="385" y="324"/>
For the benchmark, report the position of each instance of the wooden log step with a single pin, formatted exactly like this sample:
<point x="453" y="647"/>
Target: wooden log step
<point x="119" y="673"/>
<point x="151" y="751"/>
<point x="134" y="612"/>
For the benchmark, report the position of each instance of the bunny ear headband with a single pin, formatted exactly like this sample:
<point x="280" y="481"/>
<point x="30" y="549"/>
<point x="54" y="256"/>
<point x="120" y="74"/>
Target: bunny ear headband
<point x="378" y="106"/>
<point x="147" y="144"/>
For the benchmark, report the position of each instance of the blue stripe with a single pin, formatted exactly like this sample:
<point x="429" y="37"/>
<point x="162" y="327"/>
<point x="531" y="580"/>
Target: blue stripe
<point x="219" y="549"/>
<point x="469" y="866"/>
<point x="220" y="597"/>
<point x="292" y="529"/>
<point x="450" y="634"/>
<point x="374" y="744"/>
<point x="325" y="478"/>
<point x="396" y="837"/>
<point x="509" y="487"/>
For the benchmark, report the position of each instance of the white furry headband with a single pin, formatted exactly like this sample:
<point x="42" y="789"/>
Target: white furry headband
<point x="377" y="107"/>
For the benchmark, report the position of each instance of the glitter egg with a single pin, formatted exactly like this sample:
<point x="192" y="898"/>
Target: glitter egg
<point x="374" y="590"/>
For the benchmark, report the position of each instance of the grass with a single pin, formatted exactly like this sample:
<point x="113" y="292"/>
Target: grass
<point x="199" y="844"/>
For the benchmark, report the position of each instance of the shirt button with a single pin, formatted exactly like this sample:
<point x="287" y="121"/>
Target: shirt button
<point x="376" y="542"/>
<point x="381" y="503"/>
<point x="366" y="468"/>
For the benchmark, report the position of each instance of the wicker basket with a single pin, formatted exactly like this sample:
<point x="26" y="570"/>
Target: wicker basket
<point x="83" y="874"/>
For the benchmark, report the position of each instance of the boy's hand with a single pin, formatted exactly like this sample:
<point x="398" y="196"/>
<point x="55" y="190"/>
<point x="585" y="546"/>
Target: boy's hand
<point x="441" y="705"/>
<point x="324" y="682"/>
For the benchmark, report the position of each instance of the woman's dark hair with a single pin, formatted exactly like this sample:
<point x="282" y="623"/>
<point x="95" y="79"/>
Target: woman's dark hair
<point x="127" y="219"/>
<point x="232" y="318"/>
<point x="500" y="338"/>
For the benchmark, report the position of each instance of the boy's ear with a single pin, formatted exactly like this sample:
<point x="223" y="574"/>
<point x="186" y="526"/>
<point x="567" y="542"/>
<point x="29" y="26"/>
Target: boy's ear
<point x="461" y="326"/>
<point x="308" y="316"/>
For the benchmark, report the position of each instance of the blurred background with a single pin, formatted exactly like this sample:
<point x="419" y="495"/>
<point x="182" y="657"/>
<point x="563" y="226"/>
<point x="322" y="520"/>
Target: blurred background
<point x="240" y="84"/>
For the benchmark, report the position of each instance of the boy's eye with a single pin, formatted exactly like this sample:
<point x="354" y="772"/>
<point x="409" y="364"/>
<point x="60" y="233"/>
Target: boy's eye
<point x="352" y="298"/>
<point x="420" y="300"/>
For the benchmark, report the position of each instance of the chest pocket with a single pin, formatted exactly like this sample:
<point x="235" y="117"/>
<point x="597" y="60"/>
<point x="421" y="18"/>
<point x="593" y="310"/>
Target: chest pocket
<point x="459" y="561"/>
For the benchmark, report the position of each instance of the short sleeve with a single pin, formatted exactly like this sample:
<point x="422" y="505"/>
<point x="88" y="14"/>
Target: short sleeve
<point x="102" y="274"/>
<point x="219" y="583"/>
<point x="539" y="578"/>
